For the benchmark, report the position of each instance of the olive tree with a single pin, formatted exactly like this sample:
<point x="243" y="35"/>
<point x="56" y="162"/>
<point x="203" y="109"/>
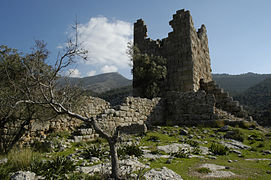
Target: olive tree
<point x="33" y="85"/>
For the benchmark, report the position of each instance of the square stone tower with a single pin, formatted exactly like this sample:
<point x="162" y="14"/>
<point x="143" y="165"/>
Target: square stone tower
<point x="185" y="49"/>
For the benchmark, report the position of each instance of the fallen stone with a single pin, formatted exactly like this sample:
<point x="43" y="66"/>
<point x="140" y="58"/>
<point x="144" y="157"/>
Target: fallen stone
<point x="23" y="175"/>
<point x="217" y="171"/>
<point x="163" y="174"/>
<point x="183" y="132"/>
<point x="126" y="167"/>
<point x="173" y="148"/>
<point x="235" y="145"/>
<point x="224" y="129"/>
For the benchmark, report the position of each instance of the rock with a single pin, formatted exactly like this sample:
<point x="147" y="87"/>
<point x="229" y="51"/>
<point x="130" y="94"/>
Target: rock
<point x="266" y="151"/>
<point x="169" y="161"/>
<point x="217" y="171"/>
<point x="235" y="145"/>
<point x="126" y="167"/>
<point x="23" y="175"/>
<point x="3" y="161"/>
<point x="235" y="151"/>
<point x="183" y="132"/>
<point x="173" y="148"/>
<point x="163" y="174"/>
<point x="230" y="161"/>
<point x="78" y="138"/>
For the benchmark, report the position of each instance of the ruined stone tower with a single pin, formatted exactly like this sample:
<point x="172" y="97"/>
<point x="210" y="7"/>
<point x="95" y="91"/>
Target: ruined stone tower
<point x="185" y="49"/>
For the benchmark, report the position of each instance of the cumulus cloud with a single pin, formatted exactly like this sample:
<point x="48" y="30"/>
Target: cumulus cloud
<point x="107" y="69"/>
<point x="91" y="73"/>
<point x="106" y="42"/>
<point x="73" y="73"/>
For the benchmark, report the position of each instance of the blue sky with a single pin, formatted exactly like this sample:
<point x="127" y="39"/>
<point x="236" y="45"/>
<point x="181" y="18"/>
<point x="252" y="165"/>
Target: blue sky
<point x="238" y="30"/>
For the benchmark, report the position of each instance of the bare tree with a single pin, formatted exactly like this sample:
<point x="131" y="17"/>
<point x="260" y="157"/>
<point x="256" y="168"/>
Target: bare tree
<point x="37" y="87"/>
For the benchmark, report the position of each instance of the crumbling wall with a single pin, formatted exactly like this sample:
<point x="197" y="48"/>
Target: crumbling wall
<point x="194" y="108"/>
<point x="224" y="101"/>
<point x="185" y="49"/>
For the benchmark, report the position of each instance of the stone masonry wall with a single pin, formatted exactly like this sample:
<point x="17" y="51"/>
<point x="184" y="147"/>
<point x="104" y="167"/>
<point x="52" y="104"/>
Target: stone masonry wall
<point x="194" y="108"/>
<point x="224" y="101"/>
<point x="185" y="49"/>
<point x="131" y="111"/>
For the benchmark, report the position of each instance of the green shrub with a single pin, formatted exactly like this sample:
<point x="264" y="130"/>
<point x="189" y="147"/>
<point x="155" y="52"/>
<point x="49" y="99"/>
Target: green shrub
<point x="235" y="134"/>
<point x="204" y="170"/>
<point x="53" y="169"/>
<point x="219" y="149"/>
<point x="130" y="150"/>
<point x="192" y="143"/>
<point x="93" y="151"/>
<point x="182" y="153"/>
<point x="197" y="150"/>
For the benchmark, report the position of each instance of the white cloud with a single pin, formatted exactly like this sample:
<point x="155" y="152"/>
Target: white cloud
<point x="107" y="69"/>
<point x="91" y="73"/>
<point x="106" y="42"/>
<point x="73" y="73"/>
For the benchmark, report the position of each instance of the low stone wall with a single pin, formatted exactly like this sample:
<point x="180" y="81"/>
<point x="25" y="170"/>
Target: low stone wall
<point x="189" y="107"/>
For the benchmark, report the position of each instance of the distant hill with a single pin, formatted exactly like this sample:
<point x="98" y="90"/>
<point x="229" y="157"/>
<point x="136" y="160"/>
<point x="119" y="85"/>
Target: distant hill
<point x="235" y="84"/>
<point x="257" y="100"/>
<point x="99" y="83"/>
<point x="257" y="96"/>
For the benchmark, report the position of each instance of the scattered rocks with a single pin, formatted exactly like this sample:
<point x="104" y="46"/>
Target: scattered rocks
<point x="163" y="174"/>
<point x="217" y="171"/>
<point x="173" y="148"/>
<point x="235" y="145"/>
<point x="23" y="175"/>
<point x="126" y="167"/>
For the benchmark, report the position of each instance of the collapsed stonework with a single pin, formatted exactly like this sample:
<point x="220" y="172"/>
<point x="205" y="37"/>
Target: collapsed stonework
<point x="185" y="49"/>
<point x="191" y="97"/>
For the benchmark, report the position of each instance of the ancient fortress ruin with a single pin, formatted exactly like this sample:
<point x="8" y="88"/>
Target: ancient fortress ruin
<point x="185" y="49"/>
<point x="190" y="98"/>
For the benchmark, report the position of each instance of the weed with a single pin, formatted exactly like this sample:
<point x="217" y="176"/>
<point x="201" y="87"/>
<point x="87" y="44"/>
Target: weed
<point x="192" y="143"/>
<point x="235" y="134"/>
<point x="21" y="159"/>
<point x="54" y="169"/>
<point x="130" y="150"/>
<point x="182" y="153"/>
<point x="204" y="170"/>
<point x="219" y="149"/>
<point x="196" y="150"/>
<point x="93" y="151"/>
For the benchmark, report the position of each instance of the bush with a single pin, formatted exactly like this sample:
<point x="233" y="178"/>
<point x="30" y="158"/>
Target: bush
<point x="53" y="169"/>
<point x="219" y="149"/>
<point x="197" y="150"/>
<point x="182" y="153"/>
<point x="192" y="143"/>
<point x="93" y="151"/>
<point x="204" y="170"/>
<point x="235" y="134"/>
<point x="130" y="150"/>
